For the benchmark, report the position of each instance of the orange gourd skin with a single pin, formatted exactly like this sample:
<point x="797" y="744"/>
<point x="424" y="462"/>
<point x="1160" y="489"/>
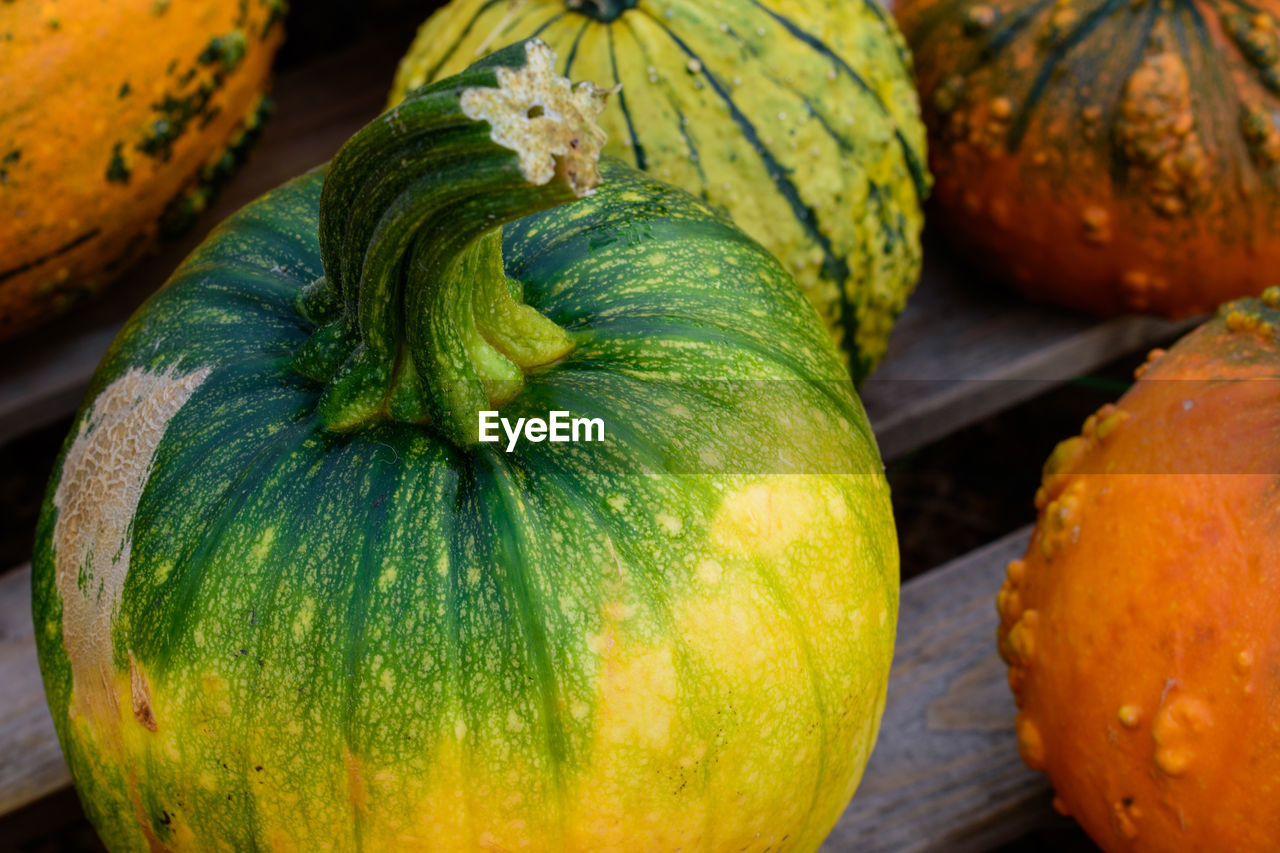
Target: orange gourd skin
<point x="1106" y="155"/>
<point x="118" y="120"/>
<point x="1142" y="628"/>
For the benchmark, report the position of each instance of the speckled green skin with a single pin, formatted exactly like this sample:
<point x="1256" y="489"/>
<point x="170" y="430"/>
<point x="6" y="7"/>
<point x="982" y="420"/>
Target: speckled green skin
<point x="797" y="117"/>
<point x="379" y="640"/>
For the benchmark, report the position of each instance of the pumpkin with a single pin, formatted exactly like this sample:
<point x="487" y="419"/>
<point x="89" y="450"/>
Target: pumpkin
<point x="1103" y="155"/>
<point x="119" y="119"/>
<point x="288" y="598"/>
<point x="798" y="118"/>
<point x="1140" y="627"/>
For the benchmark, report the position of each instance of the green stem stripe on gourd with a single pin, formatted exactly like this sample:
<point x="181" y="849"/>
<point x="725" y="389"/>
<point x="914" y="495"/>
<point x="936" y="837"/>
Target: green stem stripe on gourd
<point x="602" y="10"/>
<point x="417" y="319"/>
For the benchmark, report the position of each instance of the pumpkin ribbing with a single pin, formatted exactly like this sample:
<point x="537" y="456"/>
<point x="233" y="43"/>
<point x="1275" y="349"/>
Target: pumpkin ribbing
<point x="1103" y="155"/>
<point x="798" y="119"/>
<point x="389" y="637"/>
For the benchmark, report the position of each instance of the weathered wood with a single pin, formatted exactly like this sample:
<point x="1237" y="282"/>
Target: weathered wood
<point x="43" y="375"/>
<point x="945" y="774"/>
<point x="31" y="764"/>
<point x="966" y="348"/>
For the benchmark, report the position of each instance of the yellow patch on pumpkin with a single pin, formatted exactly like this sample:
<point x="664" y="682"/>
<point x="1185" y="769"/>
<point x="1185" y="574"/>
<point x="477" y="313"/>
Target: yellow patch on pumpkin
<point x="768" y="515"/>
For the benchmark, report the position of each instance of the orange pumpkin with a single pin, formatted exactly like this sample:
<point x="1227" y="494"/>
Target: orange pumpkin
<point x="118" y="119"/>
<point x="1142" y="628"/>
<point x="1106" y="155"/>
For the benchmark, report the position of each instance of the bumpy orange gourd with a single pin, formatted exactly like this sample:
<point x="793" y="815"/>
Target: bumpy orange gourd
<point x="1142" y="628"/>
<point x="118" y="119"/>
<point x="1106" y="155"/>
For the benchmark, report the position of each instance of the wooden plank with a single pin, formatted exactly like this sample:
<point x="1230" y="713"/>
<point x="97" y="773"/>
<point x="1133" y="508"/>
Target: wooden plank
<point x="31" y="764"/>
<point x="966" y="348"/>
<point x="318" y="106"/>
<point x="945" y="774"/>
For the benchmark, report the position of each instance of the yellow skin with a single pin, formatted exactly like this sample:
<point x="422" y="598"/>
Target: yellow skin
<point x="798" y="118"/>
<point x="756" y="784"/>
<point x="488" y="790"/>
<point x="89" y="178"/>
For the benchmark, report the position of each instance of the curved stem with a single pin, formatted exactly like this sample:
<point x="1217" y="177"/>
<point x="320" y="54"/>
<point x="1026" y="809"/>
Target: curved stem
<point x="417" y="320"/>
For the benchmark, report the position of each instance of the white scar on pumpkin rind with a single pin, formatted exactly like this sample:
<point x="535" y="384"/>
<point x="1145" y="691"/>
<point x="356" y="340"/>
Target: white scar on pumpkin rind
<point x="102" y="478"/>
<point x="562" y="128"/>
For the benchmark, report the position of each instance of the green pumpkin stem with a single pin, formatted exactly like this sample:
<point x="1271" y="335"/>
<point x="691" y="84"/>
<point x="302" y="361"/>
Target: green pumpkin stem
<point x="416" y="318"/>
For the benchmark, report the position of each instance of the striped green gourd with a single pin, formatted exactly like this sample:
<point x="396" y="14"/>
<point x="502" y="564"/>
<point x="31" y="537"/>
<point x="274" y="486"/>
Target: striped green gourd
<point x="286" y="600"/>
<point x="797" y="117"/>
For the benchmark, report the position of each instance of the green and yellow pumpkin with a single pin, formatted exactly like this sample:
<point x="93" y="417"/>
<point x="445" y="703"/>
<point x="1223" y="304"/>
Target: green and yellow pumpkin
<point x="797" y="117"/>
<point x="118" y="120"/>
<point x="287" y="599"/>
<point x="1106" y="155"/>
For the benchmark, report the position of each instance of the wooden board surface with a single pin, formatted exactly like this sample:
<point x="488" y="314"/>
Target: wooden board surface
<point x="964" y="348"/>
<point x="945" y="775"/>
<point x="31" y="764"/>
